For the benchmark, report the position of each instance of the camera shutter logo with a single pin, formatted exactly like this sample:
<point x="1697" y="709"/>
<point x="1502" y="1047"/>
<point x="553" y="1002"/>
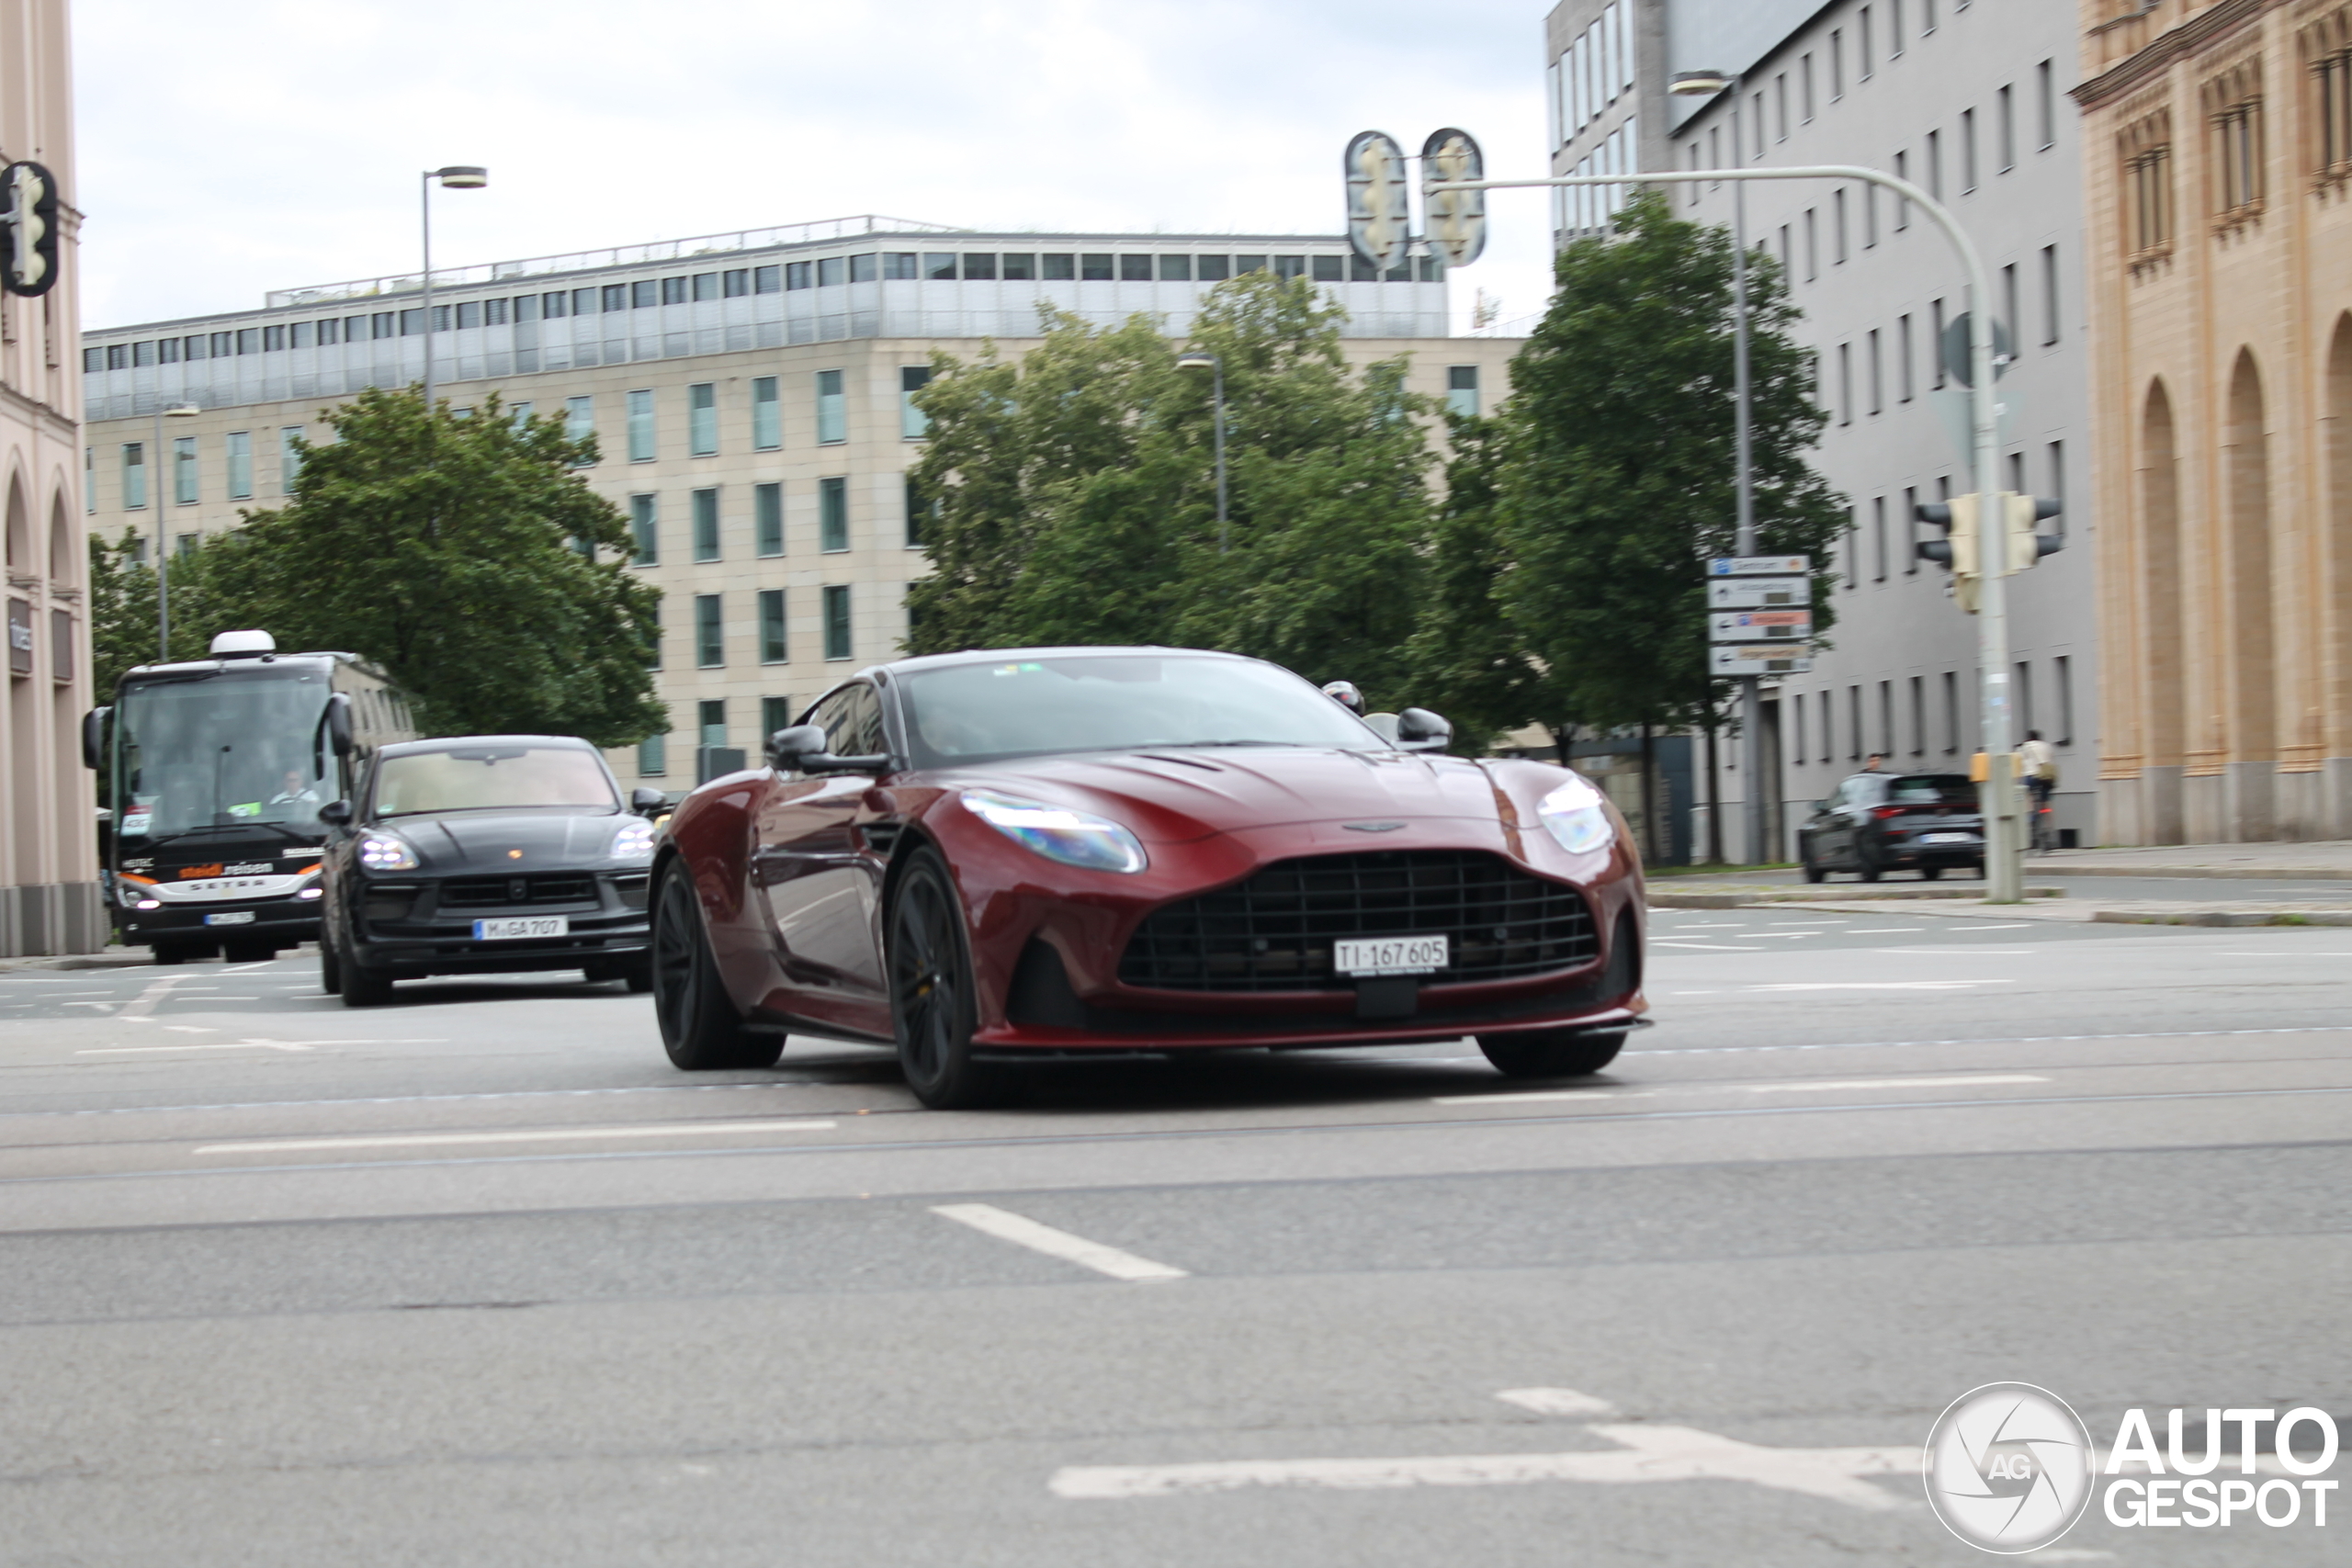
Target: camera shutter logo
<point x="2009" y="1468"/>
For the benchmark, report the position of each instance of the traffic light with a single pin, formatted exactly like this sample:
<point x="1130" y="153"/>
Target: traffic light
<point x="1957" y="550"/>
<point x="27" y="228"/>
<point x="1961" y="550"/>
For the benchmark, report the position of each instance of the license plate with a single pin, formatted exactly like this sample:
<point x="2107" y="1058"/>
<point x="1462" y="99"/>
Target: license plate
<point x="1946" y="837"/>
<point x="1389" y="955"/>
<point x="231" y="917"/>
<point x="513" y="926"/>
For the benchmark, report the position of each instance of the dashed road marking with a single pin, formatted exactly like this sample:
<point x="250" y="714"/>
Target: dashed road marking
<point x="534" y="1135"/>
<point x="1005" y="1225"/>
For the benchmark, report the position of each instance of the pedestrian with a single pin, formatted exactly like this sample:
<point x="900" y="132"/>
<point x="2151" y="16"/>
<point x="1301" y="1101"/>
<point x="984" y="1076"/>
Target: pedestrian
<point x="2039" y="764"/>
<point x="1877" y="763"/>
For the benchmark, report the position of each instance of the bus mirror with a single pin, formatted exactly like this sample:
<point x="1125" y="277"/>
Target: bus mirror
<point x="338" y="723"/>
<point x="93" y="737"/>
<point x="336" y="813"/>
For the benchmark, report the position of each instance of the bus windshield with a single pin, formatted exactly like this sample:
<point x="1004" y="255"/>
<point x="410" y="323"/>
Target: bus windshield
<point x="227" y="751"/>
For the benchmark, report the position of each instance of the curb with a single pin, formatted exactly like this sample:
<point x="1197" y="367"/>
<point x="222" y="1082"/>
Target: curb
<point x="78" y="961"/>
<point x="1766" y="896"/>
<point x="2223" y="917"/>
<point x="2233" y="873"/>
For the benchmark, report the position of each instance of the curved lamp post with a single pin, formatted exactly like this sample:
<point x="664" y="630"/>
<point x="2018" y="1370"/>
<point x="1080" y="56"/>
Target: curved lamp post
<point x="1216" y="366"/>
<point x="455" y="176"/>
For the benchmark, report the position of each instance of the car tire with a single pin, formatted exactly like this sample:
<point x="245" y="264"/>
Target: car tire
<point x="1931" y="873"/>
<point x="248" y="953"/>
<point x="638" y="973"/>
<point x="1868" y="865"/>
<point x="932" y="1009"/>
<point x="700" y="1028"/>
<point x="1813" y="871"/>
<point x="330" y="971"/>
<point x="362" y="987"/>
<point x="171" y="953"/>
<point x="1562" y="1054"/>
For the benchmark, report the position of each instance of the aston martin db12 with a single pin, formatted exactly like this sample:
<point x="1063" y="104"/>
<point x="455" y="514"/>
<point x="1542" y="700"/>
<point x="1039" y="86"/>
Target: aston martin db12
<point x="990" y="856"/>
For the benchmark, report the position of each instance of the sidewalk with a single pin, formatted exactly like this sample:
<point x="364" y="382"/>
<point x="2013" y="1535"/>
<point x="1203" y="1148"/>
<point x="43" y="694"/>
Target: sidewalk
<point x="2323" y="861"/>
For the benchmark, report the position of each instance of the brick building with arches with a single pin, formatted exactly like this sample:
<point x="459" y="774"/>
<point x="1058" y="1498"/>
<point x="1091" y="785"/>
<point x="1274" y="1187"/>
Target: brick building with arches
<point x="2218" y="173"/>
<point x="50" y="898"/>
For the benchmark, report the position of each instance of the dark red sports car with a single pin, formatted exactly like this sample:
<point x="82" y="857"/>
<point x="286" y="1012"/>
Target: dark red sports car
<point x="986" y="856"/>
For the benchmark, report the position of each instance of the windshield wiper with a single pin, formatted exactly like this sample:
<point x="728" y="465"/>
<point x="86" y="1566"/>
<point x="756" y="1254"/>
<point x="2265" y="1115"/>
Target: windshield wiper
<point x="445" y="810"/>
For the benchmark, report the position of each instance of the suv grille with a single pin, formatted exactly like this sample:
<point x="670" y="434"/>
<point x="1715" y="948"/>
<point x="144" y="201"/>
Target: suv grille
<point x="483" y="892"/>
<point x="1274" y="931"/>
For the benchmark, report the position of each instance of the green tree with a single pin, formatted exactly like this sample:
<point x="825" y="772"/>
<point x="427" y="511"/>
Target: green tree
<point x="1078" y="502"/>
<point x="466" y="558"/>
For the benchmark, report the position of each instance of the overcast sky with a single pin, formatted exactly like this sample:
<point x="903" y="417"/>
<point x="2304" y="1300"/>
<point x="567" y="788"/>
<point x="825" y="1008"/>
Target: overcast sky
<point x="237" y="146"/>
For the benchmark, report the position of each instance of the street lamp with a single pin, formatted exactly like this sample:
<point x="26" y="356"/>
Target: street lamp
<point x="455" y="176"/>
<point x="1198" y="360"/>
<point x="163" y="555"/>
<point x="1707" y="83"/>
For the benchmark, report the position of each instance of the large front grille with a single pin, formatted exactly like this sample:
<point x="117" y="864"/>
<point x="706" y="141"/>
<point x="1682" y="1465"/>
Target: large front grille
<point x="1274" y="931"/>
<point x="487" y="892"/>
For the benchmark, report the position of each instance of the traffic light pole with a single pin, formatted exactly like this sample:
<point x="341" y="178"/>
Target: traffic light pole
<point x="2003" y="839"/>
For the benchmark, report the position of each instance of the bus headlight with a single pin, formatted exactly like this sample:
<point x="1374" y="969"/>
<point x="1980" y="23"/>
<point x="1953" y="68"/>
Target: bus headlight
<point x="1574" y="817"/>
<point x="383" y="851"/>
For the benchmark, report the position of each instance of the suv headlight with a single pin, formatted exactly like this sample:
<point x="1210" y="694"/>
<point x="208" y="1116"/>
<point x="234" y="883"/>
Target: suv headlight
<point x="383" y="851"/>
<point x="1576" y="818"/>
<point x="634" y="841"/>
<point x="1059" y="833"/>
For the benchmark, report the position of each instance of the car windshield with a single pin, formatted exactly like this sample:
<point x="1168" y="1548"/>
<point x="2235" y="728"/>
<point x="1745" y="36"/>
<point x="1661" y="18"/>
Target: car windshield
<point x="481" y="778"/>
<point x="1116" y="703"/>
<point x="1931" y="789"/>
<point x="223" y="750"/>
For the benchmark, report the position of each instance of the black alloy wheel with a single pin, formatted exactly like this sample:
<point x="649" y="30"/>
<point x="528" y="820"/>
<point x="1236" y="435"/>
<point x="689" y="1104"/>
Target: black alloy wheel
<point x="700" y="1028"/>
<point x="1813" y="870"/>
<point x="362" y="987"/>
<point x="1930" y="873"/>
<point x="330" y="971"/>
<point x="932" y="1005"/>
<point x="1573" y="1053"/>
<point x="1867" y="862"/>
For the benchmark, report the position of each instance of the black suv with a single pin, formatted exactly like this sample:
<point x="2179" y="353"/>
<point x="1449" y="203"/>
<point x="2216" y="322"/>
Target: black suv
<point x="1875" y="823"/>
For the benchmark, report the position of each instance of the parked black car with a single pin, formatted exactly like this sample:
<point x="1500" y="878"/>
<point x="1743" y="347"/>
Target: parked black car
<point x="1881" y="822"/>
<point x="485" y="853"/>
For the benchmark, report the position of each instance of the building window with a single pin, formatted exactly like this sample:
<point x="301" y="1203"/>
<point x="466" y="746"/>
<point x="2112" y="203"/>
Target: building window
<point x="1878" y="379"/>
<point x="706" y="515"/>
<point x="920" y="510"/>
<point x="2009" y="302"/>
<point x="641" y="426"/>
<point x="1903" y="363"/>
<point x="766" y="280"/>
<point x="767" y="519"/>
<point x="702" y="419"/>
<point x="1461" y="391"/>
<point x="653" y="756"/>
<point x="134" y="474"/>
<point x="1910" y="520"/>
<point x="1935" y="340"/>
<point x="832" y="514"/>
<point x="289" y="460"/>
<point x="240" y="464"/>
<point x="1805" y="81"/>
<point x="1021" y="267"/>
<point x="1967" y="152"/>
<point x="1781" y="103"/>
<point x="800" y="275"/>
<point x="184" y="469"/>
<point x="1095" y="268"/>
<point x="832" y="409"/>
<point x="1837" y="63"/>
<point x="2238" y="159"/>
<point x="2009" y="130"/>
<point x="1811" y="245"/>
<point x="2046" y="91"/>
<point x="1936" y="164"/>
<point x="1845" y="383"/>
<point x="772" y="639"/>
<point x="1894" y="28"/>
<point x="914" y="423"/>
<point x="518" y="416"/>
<point x="710" y="721"/>
<point x="2048" y="295"/>
<point x="2148" y="200"/>
<point x="831" y="272"/>
<point x="89" y="478"/>
<point x="775" y="712"/>
<point x="1061" y="267"/>
<point x="579" y="420"/>
<point x="645" y="531"/>
<point x="710" y="652"/>
<point x="2062" y="685"/>
<point x="767" y="414"/>
<point x="1878" y="536"/>
<point x="1829" y="728"/>
<point x="1854" y="724"/>
<point x="1901" y="206"/>
<point x="1838" y="212"/>
<point x="1952" y="713"/>
<point x="837" y="622"/>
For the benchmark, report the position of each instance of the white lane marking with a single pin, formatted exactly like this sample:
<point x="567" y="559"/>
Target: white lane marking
<point x="144" y="1002"/>
<point x="1651" y="1453"/>
<point x="1901" y="1045"/>
<point x="190" y="1029"/>
<point x="193" y="1045"/>
<point x="1883" y="931"/>
<point x="2005" y="926"/>
<point x="1970" y="1079"/>
<point x="1928" y="950"/>
<point x="1557" y="1402"/>
<point x="536" y="1135"/>
<point x="1707" y="925"/>
<point x="247" y="968"/>
<point x="1767" y="936"/>
<point x="100" y="1006"/>
<point x="989" y="1220"/>
<point x="1512" y="1096"/>
<point x="1879" y="985"/>
<point x="1702" y="946"/>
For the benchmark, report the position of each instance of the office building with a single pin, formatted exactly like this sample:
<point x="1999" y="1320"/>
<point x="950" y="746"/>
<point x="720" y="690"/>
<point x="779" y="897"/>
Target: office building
<point x="750" y="396"/>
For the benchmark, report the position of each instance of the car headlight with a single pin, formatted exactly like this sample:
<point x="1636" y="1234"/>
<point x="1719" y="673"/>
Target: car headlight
<point x="1059" y="833"/>
<point x="1576" y="817"/>
<point x="382" y="851"/>
<point x="634" y="841"/>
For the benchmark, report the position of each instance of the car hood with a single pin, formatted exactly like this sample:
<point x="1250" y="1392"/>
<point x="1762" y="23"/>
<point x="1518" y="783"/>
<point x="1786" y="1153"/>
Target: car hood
<point x="1182" y="793"/>
<point x="465" y="840"/>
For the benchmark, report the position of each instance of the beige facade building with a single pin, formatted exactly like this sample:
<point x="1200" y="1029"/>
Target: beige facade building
<point x="49" y="901"/>
<point x="2218" y="157"/>
<point x="750" y="396"/>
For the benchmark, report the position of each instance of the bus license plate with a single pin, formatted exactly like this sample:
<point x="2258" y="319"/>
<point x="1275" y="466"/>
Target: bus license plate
<point x="231" y="917"/>
<point x="513" y="926"/>
<point x="1390" y="956"/>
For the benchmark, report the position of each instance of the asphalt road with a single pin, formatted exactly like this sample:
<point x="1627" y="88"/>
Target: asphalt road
<point x="476" y="1278"/>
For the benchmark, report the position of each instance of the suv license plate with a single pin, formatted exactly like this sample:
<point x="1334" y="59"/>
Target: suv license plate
<point x="1390" y="956"/>
<point x="1946" y="837"/>
<point x="231" y="917"/>
<point x="516" y="926"/>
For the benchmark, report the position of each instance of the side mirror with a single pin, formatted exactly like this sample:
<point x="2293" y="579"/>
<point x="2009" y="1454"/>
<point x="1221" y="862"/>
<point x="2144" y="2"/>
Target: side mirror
<point x="787" y="746"/>
<point x="93" y="737"/>
<point x="338" y="718"/>
<point x="645" y="802"/>
<point x="1418" y="729"/>
<point x="336" y="814"/>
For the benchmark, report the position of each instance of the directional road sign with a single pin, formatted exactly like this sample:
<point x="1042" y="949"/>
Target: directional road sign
<point x="1758" y="593"/>
<point x="1456" y="219"/>
<point x="1380" y="210"/>
<point x="1759" y="658"/>
<point x="1760" y="625"/>
<point x="1758" y="566"/>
